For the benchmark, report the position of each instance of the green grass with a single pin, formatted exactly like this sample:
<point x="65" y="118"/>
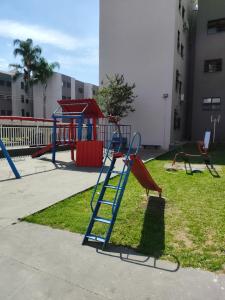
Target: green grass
<point x="187" y="223"/>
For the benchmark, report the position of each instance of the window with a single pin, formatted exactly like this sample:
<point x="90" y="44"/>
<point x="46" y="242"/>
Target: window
<point x="179" y="5"/>
<point x="183" y="12"/>
<point x="3" y="112"/>
<point x="182" y="50"/>
<point x="94" y="92"/>
<point x="2" y="97"/>
<point x="22" y="85"/>
<point x="211" y="103"/>
<point x="180" y="87"/>
<point x="2" y="82"/>
<point x="22" y="98"/>
<point x="80" y="90"/>
<point x="64" y="97"/>
<point x="213" y="65"/>
<point x="178" y="41"/>
<point x="216" y="26"/>
<point x="68" y="85"/>
<point x="64" y="83"/>
<point x="22" y="112"/>
<point x="27" y="101"/>
<point x="9" y="98"/>
<point x="9" y="112"/>
<point x="176" y="120"/>
<point x="8" y="83"/>
<point x="177" y="80"/>
<point x="27" y="114"/>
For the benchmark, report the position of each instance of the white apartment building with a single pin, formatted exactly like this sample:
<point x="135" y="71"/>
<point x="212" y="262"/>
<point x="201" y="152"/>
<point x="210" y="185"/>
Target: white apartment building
<point x="60" y="87"/>
<point x="16" y="101"/>
<point x="147" y="42"/>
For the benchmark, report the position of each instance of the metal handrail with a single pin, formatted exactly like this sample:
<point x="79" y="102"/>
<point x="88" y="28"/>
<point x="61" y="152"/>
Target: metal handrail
<point x="107" y="156"/>
<point x="127" y="165"/>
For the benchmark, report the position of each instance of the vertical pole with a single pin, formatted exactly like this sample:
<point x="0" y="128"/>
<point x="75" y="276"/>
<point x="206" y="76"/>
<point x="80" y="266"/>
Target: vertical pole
<point x="10" y="162"/>
<point x="72" y="139"/>
<point x="54" y="140"/>
<point x="89" y="130"/>
<point x="80" y="125"/>
<point x="94" y="130"/>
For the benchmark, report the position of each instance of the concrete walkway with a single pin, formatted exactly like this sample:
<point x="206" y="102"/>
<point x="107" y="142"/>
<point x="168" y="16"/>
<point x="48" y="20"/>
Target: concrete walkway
<point x="37" y="262"/>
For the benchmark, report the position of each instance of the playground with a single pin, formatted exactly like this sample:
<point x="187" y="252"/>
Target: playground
<point x="163" y="214"/>
<point x="185" y="225"/>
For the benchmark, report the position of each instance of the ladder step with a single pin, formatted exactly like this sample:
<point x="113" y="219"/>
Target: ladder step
<point x="106" y="202"/>
<point x="95" y="238"/>
<point x="113" y="187"/>
<point x="103" y="220"/>
<point x="118" y="172"/>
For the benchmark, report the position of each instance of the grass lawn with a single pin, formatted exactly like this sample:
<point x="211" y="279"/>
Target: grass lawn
<point x="187" y="223"/>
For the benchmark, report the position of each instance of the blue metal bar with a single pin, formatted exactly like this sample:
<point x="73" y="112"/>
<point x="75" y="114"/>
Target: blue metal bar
<point x="80" y="126"/>
<point x="10" y="162"/>
<point x="102" y="170"/>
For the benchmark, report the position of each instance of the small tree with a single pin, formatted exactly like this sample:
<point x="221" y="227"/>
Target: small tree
<point x="43" y="71"/>
<point x="116" y="98"/>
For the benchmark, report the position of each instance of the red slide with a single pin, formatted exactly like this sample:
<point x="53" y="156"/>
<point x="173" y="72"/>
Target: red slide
<point x="143" y="176"/>
<point x="42" y="151"/>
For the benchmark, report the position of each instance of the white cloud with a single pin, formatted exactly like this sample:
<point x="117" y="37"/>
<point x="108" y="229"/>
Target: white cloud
<point x="90" y="58"/>
<point x="15" y="30"/>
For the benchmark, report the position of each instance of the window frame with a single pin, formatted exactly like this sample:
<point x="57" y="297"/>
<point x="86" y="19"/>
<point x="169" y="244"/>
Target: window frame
<point x="216" y="27"/>
<point x="217" y="67"/>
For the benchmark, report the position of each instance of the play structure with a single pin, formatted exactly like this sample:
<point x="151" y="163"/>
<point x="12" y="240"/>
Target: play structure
<point x="131" y="162"/>
<point x="9" y="159"/>
<point x="69" y="121"/>
<point x="203" y="153"/>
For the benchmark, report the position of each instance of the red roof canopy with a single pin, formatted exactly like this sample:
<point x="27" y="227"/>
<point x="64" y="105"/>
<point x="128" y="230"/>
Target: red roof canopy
<point x="88" y="107"/>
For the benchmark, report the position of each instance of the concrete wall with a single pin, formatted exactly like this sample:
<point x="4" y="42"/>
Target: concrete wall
<point x="5" y="94"/>
<point x="79" y="89"/>
<point x="179" y="103"/>
<point x="208" y="46"/>
<point x="54" y="93"/>
<point x="137" y="39"/>
<point x="21" y="100"/>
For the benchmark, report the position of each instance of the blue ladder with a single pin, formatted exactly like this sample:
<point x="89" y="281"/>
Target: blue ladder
<point x="10" y="162"/>
<point x="113" y="204"/>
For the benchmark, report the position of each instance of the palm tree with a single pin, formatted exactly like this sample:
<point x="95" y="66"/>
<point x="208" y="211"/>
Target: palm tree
<point x="30" y="55"/>
<point x="43" y="71"/>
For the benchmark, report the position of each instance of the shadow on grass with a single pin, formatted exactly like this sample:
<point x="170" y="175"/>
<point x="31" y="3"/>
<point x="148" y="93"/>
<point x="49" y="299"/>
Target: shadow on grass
<point x="153" y="232"/>
<point x="152" y="242"/>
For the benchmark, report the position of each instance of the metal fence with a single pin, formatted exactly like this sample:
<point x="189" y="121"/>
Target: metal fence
<point x="23" y="136"/>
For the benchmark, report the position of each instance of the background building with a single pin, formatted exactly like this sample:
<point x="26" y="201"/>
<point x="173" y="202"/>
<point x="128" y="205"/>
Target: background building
<point x="209" y="72"/>
<point x="147" y="41"/>
<point x="14" y="100"/>
<point x="5" y="94"/>
<point x="60" y="87"/>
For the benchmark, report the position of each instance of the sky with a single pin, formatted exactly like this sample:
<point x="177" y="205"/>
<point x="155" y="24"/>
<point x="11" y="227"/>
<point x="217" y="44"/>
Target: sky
<point x="66" y="30"/>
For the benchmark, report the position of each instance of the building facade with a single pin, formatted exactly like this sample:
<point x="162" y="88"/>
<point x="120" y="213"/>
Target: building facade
<point x="151" y="51"/>
<point x="208" y="104"/>
<point x="5" y="94"/>
<point x="15" y="100"/>
<point x="60" y="87"/>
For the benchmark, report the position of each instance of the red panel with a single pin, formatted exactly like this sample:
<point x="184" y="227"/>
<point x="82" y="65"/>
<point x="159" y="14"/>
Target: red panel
<point x="89" y="106"/>
<point x="143" y="176"/>
<point x="89" y="153"/>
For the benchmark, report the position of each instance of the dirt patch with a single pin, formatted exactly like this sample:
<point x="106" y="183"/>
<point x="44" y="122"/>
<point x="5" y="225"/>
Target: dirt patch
<point x="182" y="235"/>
